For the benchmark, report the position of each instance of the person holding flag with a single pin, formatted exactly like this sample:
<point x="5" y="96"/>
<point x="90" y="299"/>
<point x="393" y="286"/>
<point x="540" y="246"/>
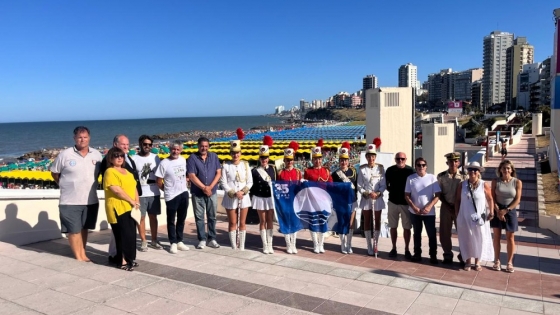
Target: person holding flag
<point x="261" y="193"/>
<point x="236" y="181"/>
<point x="317" y="173"/>
<point x="290" y="174"/>
<point x="346" y="174"/>
<point x="371" y="184"/>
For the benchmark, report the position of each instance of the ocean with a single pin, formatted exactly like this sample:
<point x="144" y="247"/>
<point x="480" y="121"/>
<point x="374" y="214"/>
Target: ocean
<point x="19" y="138"/>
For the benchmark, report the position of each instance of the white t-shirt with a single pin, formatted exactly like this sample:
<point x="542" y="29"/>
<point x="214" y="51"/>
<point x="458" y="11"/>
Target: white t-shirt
<point x="422" y="190"/>
<point x="174" y="174"/>
<point x="146" y="167"/>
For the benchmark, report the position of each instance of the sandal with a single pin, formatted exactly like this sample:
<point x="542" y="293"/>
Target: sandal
<point x="135" y="264"/>
<point x="467" y="268"/>
<point x="497" y="266"/>
<point x="509" y="268"/>
<point x="477" y="267"/>
<point x="126" y="268"/>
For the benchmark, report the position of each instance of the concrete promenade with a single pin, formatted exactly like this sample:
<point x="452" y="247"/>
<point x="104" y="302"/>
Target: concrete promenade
<point x="42" y="278"/>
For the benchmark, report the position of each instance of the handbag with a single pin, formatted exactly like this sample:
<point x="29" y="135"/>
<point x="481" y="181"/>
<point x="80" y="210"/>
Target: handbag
<point x="480" y="220"/>
<point x="136" y="215"/>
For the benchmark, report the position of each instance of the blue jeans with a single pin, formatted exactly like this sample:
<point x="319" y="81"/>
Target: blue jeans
<point x="429" y="222"/>
<point x="177" y="207"/>
<point x="208" y="205"/>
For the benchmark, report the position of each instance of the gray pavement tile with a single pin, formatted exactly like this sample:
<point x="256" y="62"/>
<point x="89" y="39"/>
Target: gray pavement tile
<point x="261" y="308"/>
<point x="136" y="281"/>
<point x="12" y="266"/>
<point x="34" y="274"/>
<point x="302" y="302"/>
<point x="376" y="278"/>
<point x="9" y="308"/>
<point x="164" y="288"/>
<point x="99" y="309"/>
<point x="353" y="298"/>
<point x="437" y="301"/>
<point x="422" y="309"/>
<point x="287" y="284"/>
<point x="213" y="282"/>
<point x="11" y="288"/>
<point x="364" y="287"/>
<point x="332" y="281"/>
<point x="443" y="290"/>
<point x="271" y="295"/>
<point x="270" y="259"/>
<point x="474" y="308"/>
<point x="551" y="308"/>
<point x="529" y="305"/>
<point x="192" y="295"/>
<point x="369" y="311"/>
<point x="132" y="301"/>
<point x="240" y="287"/>
<point x="225" y="303"/>
<point x="56" y="280"/>
<point x="482" y="297"/>
<point x="189" y="276"/>
<point x="333" y="307"/>
<point x="317" y="268"/>
<point x="247" y="254"/>
<point x="52" y="302"/>
<point x="109" y="274"/>
<point x="103" y="293"/>
<point x="87" y="270"/>
<point x="393" y="300"/>
<point x="345" y="273"/>
<point x="408" y="284"/>
<point x="509" y="311"/>
<point x="79" y="286"/>
<point x="319" y="290"/>
<point x="292" y="263"/>
<point x="169" y="307"/>
<point x="197" y="311"/>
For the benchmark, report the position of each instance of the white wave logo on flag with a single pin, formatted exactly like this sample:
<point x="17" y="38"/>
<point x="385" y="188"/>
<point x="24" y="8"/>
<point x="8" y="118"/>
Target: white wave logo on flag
<point x="313" y="205"/>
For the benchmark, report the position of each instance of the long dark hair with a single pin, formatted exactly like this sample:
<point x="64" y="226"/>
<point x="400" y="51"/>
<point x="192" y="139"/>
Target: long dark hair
<point x="109" y="156"/>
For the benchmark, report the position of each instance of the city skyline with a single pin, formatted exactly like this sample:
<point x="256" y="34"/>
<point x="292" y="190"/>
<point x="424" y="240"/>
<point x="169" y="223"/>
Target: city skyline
<point x="67" y="61"/>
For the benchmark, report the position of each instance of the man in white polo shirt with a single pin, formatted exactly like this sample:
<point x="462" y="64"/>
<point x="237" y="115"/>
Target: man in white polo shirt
<point x="75" y="170"/>
<point x="422" y="192"/>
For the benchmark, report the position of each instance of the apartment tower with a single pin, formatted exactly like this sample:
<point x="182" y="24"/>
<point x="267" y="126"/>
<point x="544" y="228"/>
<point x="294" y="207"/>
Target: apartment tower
<point x="519" y="54"/>
<point x="494" y="62"/>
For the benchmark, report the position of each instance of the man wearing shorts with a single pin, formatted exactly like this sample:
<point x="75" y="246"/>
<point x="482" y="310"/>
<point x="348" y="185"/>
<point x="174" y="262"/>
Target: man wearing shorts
<point x="75" y="170"/>
<point x="395" y="178"/>
<point x="150" y="203"/>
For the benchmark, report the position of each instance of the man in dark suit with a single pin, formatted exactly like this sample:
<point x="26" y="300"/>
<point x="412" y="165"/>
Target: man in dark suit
<point x="121" y="141"/>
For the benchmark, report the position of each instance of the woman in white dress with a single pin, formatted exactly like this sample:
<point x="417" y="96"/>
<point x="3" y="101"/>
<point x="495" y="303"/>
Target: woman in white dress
<point x="236" y="181"/>
<point x="371" y="184"/>
<point x="473" y="222"/>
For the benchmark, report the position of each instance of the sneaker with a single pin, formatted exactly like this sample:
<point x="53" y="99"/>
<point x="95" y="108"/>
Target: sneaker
<point x="201" y="244"/>
<point x="213" y="244"/>
<point x="416" y="258"/>
<point x="144" y="246"/>
<point x="155" y="245"/>
<point x="173" y="249"/>
<point x="434" y="260"/>
<point x="407" y="255"/>
<point x="182" y="246"/>
<point x="393" y="253"/>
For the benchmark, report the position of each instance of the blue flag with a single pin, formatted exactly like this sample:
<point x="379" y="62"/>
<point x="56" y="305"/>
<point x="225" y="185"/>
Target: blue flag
<point x="316" y="206"/>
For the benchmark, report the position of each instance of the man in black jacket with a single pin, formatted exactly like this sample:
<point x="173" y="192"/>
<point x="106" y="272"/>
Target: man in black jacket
<point x="121" y="141"/>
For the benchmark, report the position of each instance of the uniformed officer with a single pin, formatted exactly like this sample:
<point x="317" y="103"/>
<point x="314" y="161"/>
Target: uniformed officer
<point x="371" y="184"/>
<point x="448" y="181"/>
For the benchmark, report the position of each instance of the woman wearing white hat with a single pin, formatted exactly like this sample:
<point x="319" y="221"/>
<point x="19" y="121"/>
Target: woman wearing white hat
<point x="346" y="174"/>
<point x="262" y="200"/>
<point x="473" y="220"/>
<point x="236" y="181"/>
<point x="371" y="184"/>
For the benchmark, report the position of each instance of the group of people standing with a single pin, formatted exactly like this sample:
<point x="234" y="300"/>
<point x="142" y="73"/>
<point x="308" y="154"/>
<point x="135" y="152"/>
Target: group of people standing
<point x="133" y="183"/>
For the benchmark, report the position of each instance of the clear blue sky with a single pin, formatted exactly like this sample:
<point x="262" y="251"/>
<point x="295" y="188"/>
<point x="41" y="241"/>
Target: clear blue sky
<point x="70" y="60"/>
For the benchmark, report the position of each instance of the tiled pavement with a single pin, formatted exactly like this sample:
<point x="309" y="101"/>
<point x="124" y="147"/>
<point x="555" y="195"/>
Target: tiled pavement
<point x="41" y="278"/>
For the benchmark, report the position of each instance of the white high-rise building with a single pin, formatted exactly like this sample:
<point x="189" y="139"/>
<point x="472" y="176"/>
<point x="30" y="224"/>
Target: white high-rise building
<point x="408" y="76"/>
<point x="494" y="60"/>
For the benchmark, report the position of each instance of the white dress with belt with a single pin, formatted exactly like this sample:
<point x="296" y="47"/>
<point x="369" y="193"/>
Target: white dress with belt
<point x="236" y="178"/>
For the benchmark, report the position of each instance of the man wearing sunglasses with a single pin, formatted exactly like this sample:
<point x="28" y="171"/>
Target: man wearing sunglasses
<point x="449" y="180"/>
<point x="422" y="192"/>
<point x="150" y="201"/>
<point x="395" y="178"/>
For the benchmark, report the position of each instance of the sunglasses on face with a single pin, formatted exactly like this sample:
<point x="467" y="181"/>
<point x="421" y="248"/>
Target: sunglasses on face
<point x="420" y="165"/>
<point x="400" y="159"/>
<point x="146" y="144"/>
<point x="118" y="155"/>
